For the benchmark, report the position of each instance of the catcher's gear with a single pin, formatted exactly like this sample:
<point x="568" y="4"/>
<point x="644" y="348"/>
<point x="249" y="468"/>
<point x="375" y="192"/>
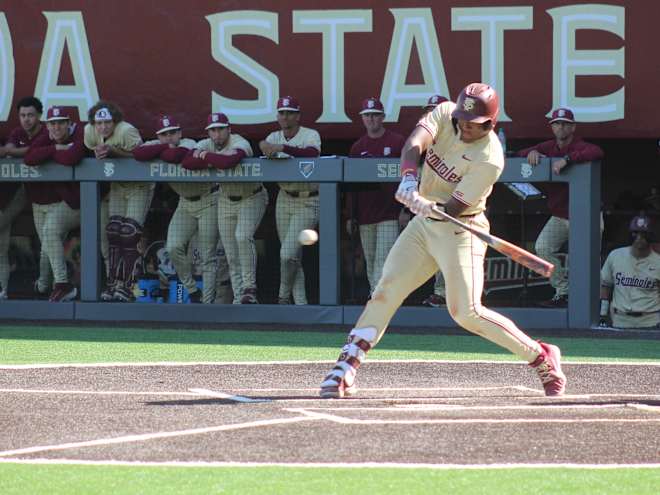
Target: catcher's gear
<point x="407" y="191"/>
<point x="478" y="103"/>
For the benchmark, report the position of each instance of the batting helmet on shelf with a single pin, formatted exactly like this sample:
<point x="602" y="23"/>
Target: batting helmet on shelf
<point x="643" y="223"/>
<point x="478" y="102"/>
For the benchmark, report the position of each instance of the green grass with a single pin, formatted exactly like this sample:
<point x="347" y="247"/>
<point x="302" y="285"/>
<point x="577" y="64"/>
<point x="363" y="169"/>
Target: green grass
<point x="21" y="479"/>
<point x="27" y="345"/>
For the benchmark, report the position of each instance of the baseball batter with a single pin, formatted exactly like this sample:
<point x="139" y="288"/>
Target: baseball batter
<point x="630" y="278"/>
<point x="56" y="205"/>
<point x="463" y="160"/>
<point x="297" y="206"/>
<point x="109" y="136"/>
<point x="195" y="213"/>
<point x="377" y="210"/>
<point x="240" y="205"/>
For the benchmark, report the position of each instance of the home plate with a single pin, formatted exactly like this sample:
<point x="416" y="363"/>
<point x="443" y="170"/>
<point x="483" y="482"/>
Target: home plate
<point x="222" y="395"/>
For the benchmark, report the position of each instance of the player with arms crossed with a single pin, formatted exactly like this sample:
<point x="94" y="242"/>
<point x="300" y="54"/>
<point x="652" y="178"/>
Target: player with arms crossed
<point x="463" y="160"/>
<point x="240" y="205"/>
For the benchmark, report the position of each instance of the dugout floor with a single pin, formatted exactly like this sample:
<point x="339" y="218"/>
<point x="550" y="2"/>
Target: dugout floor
<point x="439" y="413"/>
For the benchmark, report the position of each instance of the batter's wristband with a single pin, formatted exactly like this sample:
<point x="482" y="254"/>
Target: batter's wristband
<point x="604" y="307"/>
<point x="409" y="168"/>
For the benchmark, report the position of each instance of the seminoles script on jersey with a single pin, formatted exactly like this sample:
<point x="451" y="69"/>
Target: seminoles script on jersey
<point x="454" y="169"/>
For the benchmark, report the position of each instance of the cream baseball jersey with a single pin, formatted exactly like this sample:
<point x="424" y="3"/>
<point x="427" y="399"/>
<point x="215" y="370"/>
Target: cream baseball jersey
<point x="304" y="138"/>
<point x="635" y="282"/>
<point x="125" y="137"/>
<point x="453" y="168"/>
<point x="186" y="189"/>
<point x="235" y="142"/>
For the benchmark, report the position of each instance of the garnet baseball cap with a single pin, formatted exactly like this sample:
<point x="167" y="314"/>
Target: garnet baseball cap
<point x="372" y="105"/>
<point x="288" y="103"/>
<point x="562" y="115"/>
<point x="57" y="113"/>
<point x="217" y="120"/>
<point x="167" y="123"/>
<point x="102" y="114"/>
<point x="434" y="101"/>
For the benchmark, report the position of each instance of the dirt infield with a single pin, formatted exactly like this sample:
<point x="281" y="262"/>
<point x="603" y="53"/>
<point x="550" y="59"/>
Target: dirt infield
<point x="406" y="412"/>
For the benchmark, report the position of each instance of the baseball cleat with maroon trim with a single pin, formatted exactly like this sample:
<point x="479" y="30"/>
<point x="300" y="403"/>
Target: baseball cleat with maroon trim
<point x="548" y="367"/>
<point x="340" y="382"/>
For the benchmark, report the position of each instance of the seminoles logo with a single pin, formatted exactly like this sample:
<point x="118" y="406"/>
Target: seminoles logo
<point x="434" y="99"/>
<point x="370" y="104"/>
<point x="306" y="169"/>
<point x="285" y="102"/>
<point x="525" y="170"/>
<point x="215" y="117"/>
<point x="468" y="104"/>
<point x="166" y="122"/>
<point x="56" y="112"/>
<point x="561" y="113"/>
<point x="109" y="169"/>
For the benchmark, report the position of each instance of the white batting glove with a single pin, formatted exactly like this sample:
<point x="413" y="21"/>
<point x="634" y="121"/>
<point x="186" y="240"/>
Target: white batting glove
<point x="421" y="206"/>
<point x="407" y="191"/>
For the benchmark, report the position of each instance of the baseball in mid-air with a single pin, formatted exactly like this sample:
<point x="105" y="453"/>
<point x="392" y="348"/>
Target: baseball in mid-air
<point x="308" y="237"/>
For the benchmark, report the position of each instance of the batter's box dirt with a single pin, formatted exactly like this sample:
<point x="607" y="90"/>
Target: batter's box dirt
<point x="422" y="412"/>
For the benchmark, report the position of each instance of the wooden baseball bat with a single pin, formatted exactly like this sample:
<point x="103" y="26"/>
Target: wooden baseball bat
<point x="517" y="254"/>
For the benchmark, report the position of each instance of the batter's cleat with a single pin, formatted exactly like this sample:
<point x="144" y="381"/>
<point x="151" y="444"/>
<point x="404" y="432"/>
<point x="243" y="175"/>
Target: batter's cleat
<point x="557" y="301"/>
<point x="249" y="296"/>
<point x="195" y="297"/>
<point x="434" y="301"/>
<point x="62" y="292"/>
<point x="340" y="382"/>
<point x="548" y="367"/>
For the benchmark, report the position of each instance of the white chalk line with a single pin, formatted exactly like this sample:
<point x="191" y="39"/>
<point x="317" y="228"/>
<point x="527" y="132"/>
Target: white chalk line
<point x="152" y="436"/>
<point x="303" y="362"/>
<point x="344" y="420"/>
<point x="328" y="465"/>
<point x="223" y="395"/>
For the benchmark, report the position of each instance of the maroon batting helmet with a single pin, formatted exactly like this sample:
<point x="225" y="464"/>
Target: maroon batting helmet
<point x="478" y="103"/>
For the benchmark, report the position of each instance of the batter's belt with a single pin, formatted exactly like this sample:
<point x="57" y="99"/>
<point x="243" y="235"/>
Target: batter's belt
<point x="634" y="313"/>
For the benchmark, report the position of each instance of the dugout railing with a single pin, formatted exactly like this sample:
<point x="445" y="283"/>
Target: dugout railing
<point x="584" y="242"/>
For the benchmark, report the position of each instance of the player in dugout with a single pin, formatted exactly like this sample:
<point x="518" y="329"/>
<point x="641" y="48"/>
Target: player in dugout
<point x="464" y="158"/>
<point x="56" y="205"/>
<point x="630" y="280"/>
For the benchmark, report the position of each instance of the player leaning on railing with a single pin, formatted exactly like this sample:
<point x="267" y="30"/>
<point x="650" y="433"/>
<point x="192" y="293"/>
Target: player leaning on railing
<point x="464" y="159"/>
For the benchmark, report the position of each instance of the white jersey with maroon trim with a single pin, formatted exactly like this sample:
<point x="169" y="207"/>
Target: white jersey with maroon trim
<point x="635" y="281"/>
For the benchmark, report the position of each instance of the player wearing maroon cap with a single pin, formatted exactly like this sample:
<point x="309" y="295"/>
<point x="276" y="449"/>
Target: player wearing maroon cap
<point x="464" y="159"/>
<point x="630" y="278"/>
<point x="569" y="149"/>
<point x="241" y="205"/>
<point x="12" y="194"/>
<point x="297" y="206"/>
<point x="377" y="210"/>
<point x="109" y="136"/>
<point x="195" y="213"/>
<point x="56" y="205"/>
